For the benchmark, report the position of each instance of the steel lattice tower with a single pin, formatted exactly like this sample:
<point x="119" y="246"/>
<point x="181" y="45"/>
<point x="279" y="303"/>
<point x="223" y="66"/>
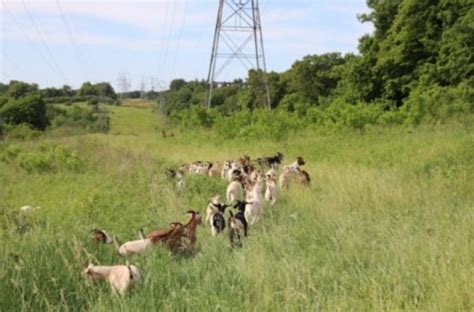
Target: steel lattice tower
<point x="238" y="26"/>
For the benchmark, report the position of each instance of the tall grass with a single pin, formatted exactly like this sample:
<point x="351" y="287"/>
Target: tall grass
<point x="386" y="225"/>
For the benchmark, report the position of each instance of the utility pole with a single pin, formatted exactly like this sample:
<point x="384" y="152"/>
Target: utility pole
<point x="124" y="83"/>
<point x="238" y="27"/>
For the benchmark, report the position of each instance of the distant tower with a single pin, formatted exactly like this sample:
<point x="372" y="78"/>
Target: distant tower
<point x="239" y="28"/>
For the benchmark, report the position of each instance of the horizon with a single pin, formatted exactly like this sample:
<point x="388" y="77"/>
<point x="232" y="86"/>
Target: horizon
<point x="155" y="42"/>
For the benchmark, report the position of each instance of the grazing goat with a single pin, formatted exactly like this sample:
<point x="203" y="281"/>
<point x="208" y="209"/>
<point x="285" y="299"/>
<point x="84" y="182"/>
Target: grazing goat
<point x="254" y="210"/>
<point x="271" y="191"/>
<point x="121" y="278"/>
<point x="272" y="161"/>
<point x="135" y="247"/>
<point x="99" y="235"/>
<point x="235" y="191"/>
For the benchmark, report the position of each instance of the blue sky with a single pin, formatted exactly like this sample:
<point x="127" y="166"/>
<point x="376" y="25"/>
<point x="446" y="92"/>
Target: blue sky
<point x="58" y="42"/>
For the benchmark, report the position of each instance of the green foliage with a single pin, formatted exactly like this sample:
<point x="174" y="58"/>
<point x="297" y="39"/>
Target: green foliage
<point x="29" y="109"/>
<point x="102" y="89"/>
<point x="48" y="158"/>
<point x="21" y="131"/>
<point x="437" y="103"/>
<point x="92" y="118"/>
<point x="316" y="76"/>
<point x="18" y="89"/>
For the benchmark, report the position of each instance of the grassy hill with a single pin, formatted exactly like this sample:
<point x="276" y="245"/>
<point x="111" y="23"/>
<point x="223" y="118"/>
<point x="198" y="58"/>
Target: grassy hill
<point x="387" y="223"/>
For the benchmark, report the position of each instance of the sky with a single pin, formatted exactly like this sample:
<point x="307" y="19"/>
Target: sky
<point x="57" y="42"/>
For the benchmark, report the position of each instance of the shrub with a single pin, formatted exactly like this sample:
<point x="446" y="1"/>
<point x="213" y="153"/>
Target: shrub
<point x="92" y="119"/>
<point x="35" y="162"/>
<point x="438" y="103"/>
<point x="29" y="109"/>
<point x="49" y="158"/>
<point x="21" y="132"/>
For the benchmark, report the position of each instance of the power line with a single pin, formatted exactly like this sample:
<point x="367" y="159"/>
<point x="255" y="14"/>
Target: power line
<point x="45" y="44"/>
<point x="27" y="36"/>
<point x="180" y="33"/>
<point x="67" y="26"/>
<point x="169" y="37"/>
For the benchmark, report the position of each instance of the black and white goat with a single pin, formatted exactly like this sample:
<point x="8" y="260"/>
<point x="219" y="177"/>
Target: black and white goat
<point x="238" y="227"/>
<point x="217" y="219"/>
<point x="270" y="161"/>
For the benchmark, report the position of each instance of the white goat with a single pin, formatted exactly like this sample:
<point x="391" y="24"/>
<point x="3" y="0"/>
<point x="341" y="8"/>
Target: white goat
<point x="271" y="191"/>
<point x="235" y="191"/>
<point x="135" y="247"/>
<point x="254" y="210"/>
<point x="121" y="278"/>
<point x="225" y="169"/>
<point x="285" y="177"/>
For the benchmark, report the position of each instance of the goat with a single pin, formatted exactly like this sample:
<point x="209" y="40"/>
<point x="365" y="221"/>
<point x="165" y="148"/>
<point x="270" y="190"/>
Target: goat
<point x="225" y="169"/>
<point x="271" y="161"/>
<point x="271" y="191"/>
<point x="121" y="278"/>
<point x="294" y="173"/>
<point x="304" y="178"/>
<point x="213" y="206"/>
<point x="99" y="235"/>
<point x="215" y="169"/>
<point x="234" y="171"/>
<point x="241" y="205"/>
<point x="254" y="210"/>
<point x="189" y="233"/>
<point x="135" y="247"/>
<point x="295" y="167"/>
<point x="235" y="191"/>
<point x="217" y="219"/>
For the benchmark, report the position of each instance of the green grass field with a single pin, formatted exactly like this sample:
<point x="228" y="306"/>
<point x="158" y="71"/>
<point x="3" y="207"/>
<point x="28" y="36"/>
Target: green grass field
<point x="388" y="223"/>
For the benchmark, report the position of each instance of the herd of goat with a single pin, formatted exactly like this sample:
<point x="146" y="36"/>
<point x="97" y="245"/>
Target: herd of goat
<point x="245" y="193"/>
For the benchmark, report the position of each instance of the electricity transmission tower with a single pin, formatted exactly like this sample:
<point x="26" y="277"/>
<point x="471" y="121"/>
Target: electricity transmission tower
<point x="239" y="29"/>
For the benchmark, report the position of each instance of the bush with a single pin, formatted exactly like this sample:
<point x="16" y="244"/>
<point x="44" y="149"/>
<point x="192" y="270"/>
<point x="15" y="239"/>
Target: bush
<point x="438" y="103"/>
<point x="21" y="132"/>
<point x="29" y="109"/>
<point x="91" y="119"/>
<point x="55" y="158"/>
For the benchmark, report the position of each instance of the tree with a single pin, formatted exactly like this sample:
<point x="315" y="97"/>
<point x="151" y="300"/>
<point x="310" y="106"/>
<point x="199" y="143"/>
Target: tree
<point x="29" y="109"/>
<point x="177" y="84"/>
<point x="316" y="76"/>
<point x="18" y="89"/>
<point x="105" y="89"/>
<point x="87" y="89"/>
